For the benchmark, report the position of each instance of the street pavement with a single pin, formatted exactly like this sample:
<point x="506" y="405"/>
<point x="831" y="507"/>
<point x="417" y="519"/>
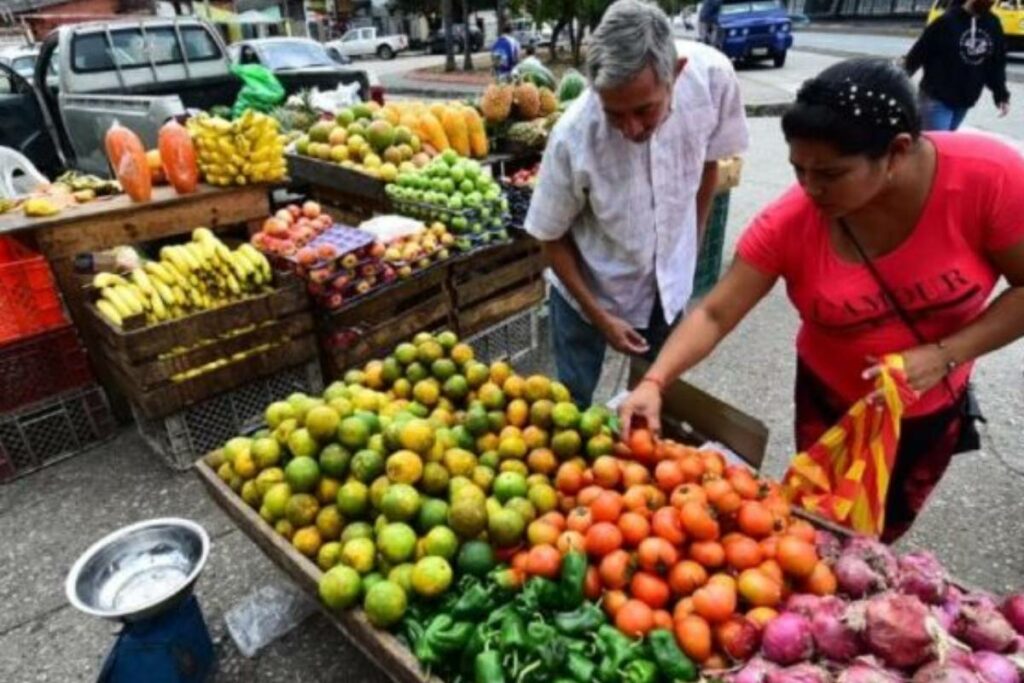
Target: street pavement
<point x="47" y="519"/>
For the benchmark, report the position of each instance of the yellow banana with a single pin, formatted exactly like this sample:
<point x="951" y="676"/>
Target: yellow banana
<point x="233" y="285"/>
<point x="141" y="297"/>
<point x="159" y="310"/>
<point x="109" y="311"/>
<point x="164" y="292"/>
<point x="196" y="252"/>
<point x="159" y="272"/>
<point x="107" y="279"/>
<point x="196" y="297"/>
<point x="171" y="255"/>
<point x="143" y="282"/>
<point x="114" y="296"/>
<point x="202" y="234"/>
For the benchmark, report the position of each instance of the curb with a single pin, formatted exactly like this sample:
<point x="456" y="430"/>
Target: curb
<point x="908" y="31"/>
<point x="1011" y="77"/>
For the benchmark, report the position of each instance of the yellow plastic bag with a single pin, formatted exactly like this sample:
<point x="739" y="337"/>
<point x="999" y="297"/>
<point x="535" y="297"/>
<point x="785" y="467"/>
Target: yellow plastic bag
<point x="844" y="477"/>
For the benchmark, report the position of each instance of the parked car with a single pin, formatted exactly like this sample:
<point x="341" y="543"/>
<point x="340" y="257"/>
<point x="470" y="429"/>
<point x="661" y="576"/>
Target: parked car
<point x="476" y="39"/>
<point x="368" y="42"/>
<point x="753" y="31"/>
<point x="1010" y="14"/>
<point x="139" y="72"/>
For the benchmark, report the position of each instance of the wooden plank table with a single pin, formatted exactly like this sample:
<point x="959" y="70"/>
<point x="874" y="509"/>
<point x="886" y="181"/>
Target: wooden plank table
<point x="380" y="647"/>
<point x="108" y="223"/>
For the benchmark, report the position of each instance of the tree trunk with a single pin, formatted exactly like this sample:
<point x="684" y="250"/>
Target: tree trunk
<point x="467" y="62"/>
<point x="581" y="27"/>
<point x="449" y="47"/>
<point x="500" y="14"/>
<point x="556" y="32"/>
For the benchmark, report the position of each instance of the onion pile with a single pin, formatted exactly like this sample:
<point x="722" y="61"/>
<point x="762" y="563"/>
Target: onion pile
<point x="894" y="620"/>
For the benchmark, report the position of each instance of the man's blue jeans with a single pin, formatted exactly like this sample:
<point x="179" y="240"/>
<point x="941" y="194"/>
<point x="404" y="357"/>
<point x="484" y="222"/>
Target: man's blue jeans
<point x="579" y="346"/>
<point x="936" y="115"/>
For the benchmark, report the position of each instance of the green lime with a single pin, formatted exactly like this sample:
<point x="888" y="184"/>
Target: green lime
<point x="476" y="558"/>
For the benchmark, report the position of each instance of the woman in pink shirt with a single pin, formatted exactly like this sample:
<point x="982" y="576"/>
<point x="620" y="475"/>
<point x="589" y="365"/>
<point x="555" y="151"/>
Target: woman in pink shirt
<point x="880" y="213"/>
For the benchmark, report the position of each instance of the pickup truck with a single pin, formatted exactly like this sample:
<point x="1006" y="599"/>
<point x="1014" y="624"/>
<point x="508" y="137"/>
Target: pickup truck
<point x="368" y="42"/>
<point x="139" y="72"/>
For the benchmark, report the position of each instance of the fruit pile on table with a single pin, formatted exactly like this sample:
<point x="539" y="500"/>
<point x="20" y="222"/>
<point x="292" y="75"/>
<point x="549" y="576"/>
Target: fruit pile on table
<point x="507" y="535"/>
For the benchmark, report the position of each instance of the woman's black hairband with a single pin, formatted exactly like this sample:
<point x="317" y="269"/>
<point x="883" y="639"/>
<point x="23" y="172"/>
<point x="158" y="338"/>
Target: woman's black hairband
<point x="870" y="105"/>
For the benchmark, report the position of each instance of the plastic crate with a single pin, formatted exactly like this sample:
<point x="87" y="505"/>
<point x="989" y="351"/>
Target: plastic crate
<point x="184" y="437"/>
<point x="35" y="368"/>
<point x="709" y="258"/>
<point x="513" y="340"/>
<point x="29" y="302"/>
<point x="52" y="430"/>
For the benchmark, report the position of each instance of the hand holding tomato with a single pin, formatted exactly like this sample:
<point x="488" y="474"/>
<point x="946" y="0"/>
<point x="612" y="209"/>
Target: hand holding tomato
<point x="644" y="406"/>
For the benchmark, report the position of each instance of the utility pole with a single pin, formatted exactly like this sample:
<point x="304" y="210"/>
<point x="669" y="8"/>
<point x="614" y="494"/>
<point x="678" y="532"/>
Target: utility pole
<point x="446" y="17"/>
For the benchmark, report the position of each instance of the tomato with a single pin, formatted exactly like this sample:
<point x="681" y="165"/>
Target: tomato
<point x="634" y="527"/>
<point x="723" y="579"/>
<point x="743" y="482"/>
<point x="769" y="546"/>
<point x="613" y="602"/>
<point x="579" y="520"/>
<point x="729" y="504"/>
<point x="821" y="581"/>
<point x="755" y="519"/>
<point x="796" y="556"/>
<point x="656" y="554"/>
<point x="650" y="588"/>
<point x="569" y="478"/>
<point x="641" y="445"/>
<point x="777" y="505"/>
<point x="771" y="568"/>
<point x="544" y="560"/>
<point x="714" y="462"/>
<point x="592" y="587"/>
<point x="616" y="569"/>
<point x="743" y="553"/>
<point x="738" y="637"/>
<point x="635" y="618"/>
<point x="715" y="662"/>
<point x="555" y="519"/>
<point x="715" y="602"/>
<point x="709" y="554"/>
<point x="602" y="538"/>
<point x="662" y="619"/>
<point x="666" y="524"/>
<point x="668" y="474"/>
<point x="638" y="499"/>
<point x="606" y="507"/>
<point x="759" y="589"/>
<point x="699" y="521"/>
<point x="693" y="634"/>
<point x="681" y="495"/>
<point x="607" y="472"/>
<point x="588" y="494"/>
<point x="566" y="503"/>
<point x="539" y="533"/>
<point x="716" y="488"/>
<point x="569" y="541"/>
<point x="519" y="561"/>
<point x="802" y="529"/>
<point x="633" y="473"/>
<point x="761" y="616"/>
<point x="692" y="467"/>
<point x="683" y="608"/>
<point x="686" y="577"/>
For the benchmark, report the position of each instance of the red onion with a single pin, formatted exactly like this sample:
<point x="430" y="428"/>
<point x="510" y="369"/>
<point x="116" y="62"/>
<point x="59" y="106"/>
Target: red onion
<point x="923" y="576"/>
<point x="937" y="672"/>
<point x="787" y="639"/>
<point x="982" y="626"/>
<point x="865" y="566"/>
<point x="833" y="636"/>
<point x="880" y="556"/>
<point x="800" y="673"/>
<point x="828" y="545"/>
<point x="754" y="671"/>
<point x="896" y="630"/>
<point x="994" y="668"/>
<point x="867" y="670"/>
<point x="1013" y="610"/>
<point x="804" y="604"/>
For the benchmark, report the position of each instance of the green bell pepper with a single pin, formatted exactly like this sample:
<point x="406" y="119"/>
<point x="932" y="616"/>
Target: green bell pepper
<point x="584" y="619"/>
<point x="572" y="581"/>
<point x="671" y="660"/>
<point x="640" y="671"/>
<point x="475" y="602"/>
<point x="615" y="645"/>
<point x="580" y="668"/>
<point x="444" y="635"/>
<point x="540" y="594"/>
<point x="487" y="668"/>
<point x="512" y="636"/>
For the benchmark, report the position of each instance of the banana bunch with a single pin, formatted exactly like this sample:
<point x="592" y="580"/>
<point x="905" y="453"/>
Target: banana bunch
<point x="195" y="276"/>
<point x="249" y="149"/>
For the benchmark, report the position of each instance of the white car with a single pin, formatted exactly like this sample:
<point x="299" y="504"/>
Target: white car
<point x="367" y="42"/>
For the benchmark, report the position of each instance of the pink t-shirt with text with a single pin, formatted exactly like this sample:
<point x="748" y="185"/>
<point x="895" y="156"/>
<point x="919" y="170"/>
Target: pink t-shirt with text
<point x="941" y="273"/>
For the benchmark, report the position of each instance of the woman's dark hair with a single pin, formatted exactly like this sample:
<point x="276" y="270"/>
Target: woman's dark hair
<point x="858" y="105"/>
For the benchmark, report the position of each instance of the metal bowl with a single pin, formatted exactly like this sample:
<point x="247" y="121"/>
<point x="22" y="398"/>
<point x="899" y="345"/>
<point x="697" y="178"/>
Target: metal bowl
<point x="140" y="570"/>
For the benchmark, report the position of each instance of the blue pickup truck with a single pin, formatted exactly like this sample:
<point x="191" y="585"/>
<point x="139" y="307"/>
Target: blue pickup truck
<point x="752" y="31"/>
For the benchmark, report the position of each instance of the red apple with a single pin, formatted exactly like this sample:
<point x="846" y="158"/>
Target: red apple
<point x="327" y="252"/>
<point x="294" y="210"/>
<point x="311" y="209"/>
<point x="377" y="250"/>
<point x="306" y="256"/>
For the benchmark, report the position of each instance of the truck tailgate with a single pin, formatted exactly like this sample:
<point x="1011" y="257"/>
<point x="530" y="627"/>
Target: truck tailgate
<point x="87" y="118"/>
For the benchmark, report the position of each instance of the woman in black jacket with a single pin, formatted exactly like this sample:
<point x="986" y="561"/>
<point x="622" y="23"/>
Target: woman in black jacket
<point x="961" y="52"/>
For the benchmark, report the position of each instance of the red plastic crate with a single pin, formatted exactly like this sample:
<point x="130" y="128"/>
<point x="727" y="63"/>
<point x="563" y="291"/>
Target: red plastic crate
<point x="29" y="302"/>
<point x="35" y="368"/>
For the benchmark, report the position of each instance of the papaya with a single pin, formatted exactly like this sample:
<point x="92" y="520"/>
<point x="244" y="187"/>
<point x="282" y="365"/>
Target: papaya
<point x="477" y="134"/>
<point x="178" y="155"/>
<point x="455" y="130"/>
<point x="127" y="157"/>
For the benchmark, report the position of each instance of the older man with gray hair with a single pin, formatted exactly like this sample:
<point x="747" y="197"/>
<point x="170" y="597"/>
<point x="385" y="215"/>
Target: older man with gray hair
<point x="626" y="186"/>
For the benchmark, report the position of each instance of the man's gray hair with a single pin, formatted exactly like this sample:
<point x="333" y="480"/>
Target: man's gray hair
<point x="632" y="36"/>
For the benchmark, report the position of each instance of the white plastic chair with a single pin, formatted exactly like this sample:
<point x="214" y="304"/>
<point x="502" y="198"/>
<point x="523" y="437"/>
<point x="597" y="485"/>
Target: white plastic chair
<point x="17" y="174"/>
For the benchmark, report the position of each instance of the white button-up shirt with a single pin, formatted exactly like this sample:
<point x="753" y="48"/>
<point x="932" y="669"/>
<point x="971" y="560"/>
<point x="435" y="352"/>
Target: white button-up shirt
<point x="632" y="207"/>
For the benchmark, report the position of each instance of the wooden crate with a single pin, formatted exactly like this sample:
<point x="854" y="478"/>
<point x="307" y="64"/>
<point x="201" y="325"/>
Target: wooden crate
<point x="492" y="285"/>
<point x="330" y="183"/>
<point x="374" y="325"/>
<point x="380" y="647"/>
<point x="143" y="364"/>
